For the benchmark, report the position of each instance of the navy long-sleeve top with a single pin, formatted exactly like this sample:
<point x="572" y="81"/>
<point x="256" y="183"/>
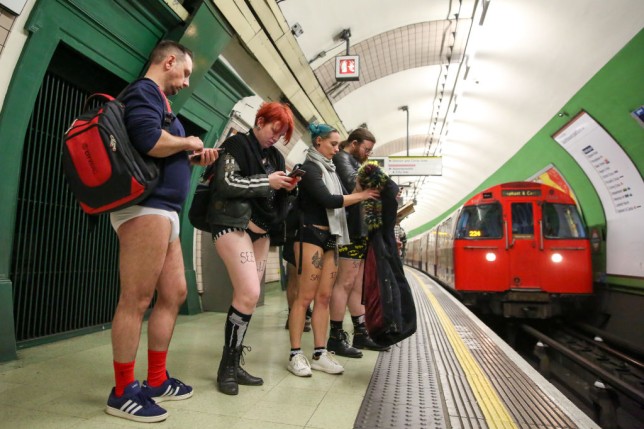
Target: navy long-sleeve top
<point x="144" y="115"/>
<point x="314" y="197"/>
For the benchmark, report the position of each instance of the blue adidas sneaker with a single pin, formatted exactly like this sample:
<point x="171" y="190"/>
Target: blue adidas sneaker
<point x="135" y="405"/>
<point x="171" y="390"/>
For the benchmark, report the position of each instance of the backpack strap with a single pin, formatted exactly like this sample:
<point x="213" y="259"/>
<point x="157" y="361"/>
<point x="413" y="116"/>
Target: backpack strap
<point x="168" y="116"/>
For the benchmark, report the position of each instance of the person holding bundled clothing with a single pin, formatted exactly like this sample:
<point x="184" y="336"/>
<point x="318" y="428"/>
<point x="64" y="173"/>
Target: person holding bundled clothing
<point x="347" y="291"/>
<point x="248" y="201"/>
<point x="322" y="227"/>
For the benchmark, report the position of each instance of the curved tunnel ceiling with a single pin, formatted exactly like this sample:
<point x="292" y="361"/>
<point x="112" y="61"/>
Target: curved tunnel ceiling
<point x="416" y="45"/>
<point x="513" y="65"/>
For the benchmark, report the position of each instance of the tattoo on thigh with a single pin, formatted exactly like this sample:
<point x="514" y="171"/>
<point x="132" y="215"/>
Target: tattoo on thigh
<point x="333" y="275"/>
<point x="245" y="257"/>
<point x="317" y="260"/>
<point x="261" y="265"/>
<point x="315" y="277"/>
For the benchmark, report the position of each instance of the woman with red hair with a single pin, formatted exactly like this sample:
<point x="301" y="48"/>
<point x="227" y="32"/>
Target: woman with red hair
<point x="247" y="202"/>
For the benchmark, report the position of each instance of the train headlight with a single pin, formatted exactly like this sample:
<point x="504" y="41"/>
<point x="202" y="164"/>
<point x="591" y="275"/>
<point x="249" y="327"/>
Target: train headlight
<point x="490" y="257"/>
<point x="556" y="258"/>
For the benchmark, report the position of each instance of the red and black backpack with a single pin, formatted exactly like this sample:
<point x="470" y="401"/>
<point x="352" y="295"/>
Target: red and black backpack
<point x="104" y="170"/>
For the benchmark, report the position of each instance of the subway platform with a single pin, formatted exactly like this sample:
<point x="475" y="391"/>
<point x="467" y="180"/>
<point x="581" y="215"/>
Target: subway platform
<point x="453" y="373"/>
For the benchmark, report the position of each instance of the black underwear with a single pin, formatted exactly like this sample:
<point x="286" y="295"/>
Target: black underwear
<point x="220" y="230"/>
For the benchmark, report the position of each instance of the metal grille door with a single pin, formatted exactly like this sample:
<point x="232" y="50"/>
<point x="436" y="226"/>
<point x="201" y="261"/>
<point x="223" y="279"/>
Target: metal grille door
<point x="65" y="277"/>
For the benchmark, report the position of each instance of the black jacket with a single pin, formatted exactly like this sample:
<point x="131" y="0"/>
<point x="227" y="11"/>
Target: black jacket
<point x="314" y="197"/>
<point x="346" y="167"/>
<point x="241" y="188"/>
<point x="390" y="312"/>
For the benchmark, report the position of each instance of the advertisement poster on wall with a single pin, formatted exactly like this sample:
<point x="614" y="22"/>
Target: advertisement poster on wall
<point x="619" y="186"/>
<point x="551" y="176"/>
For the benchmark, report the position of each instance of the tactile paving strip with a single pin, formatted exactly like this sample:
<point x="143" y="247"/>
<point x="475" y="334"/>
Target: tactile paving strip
<point x="404" y="391"/>
<point x="528" y="405"/>
<point x="420" y="383"/>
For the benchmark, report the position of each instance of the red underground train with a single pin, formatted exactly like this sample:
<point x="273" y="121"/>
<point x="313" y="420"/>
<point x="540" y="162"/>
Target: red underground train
<point x="517" y="249"/>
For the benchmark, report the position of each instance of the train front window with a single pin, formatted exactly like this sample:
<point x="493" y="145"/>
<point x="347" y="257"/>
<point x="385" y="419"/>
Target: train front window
<point x="562" y="221"/>
<point x="522" y="220"/>
<point x="480" y="222"/>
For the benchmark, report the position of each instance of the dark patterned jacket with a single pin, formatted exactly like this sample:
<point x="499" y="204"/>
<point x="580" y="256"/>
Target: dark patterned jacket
<point x="241" y="190"/>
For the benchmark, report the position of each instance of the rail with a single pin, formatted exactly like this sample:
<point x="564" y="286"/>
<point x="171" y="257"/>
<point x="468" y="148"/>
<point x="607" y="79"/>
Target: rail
<point x="606" y="376"/>
<point x="600" y="344"/>
<point x="631" y="348"/>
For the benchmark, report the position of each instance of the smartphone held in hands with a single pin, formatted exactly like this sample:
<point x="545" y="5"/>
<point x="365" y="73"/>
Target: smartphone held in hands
<point x="197" y="158"/>
<point x="297" y="171"/>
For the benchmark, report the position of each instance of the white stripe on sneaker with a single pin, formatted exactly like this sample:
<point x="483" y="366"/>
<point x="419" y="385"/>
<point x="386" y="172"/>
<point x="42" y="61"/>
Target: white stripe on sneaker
<point x="131" y="407"/>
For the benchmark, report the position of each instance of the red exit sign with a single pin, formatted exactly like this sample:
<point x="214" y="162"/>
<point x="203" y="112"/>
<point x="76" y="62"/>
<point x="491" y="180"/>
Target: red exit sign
<point x="347" y="67"/>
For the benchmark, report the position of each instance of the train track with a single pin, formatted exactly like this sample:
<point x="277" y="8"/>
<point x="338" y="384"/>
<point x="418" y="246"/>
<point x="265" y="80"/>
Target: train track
<point x="604" y="378"/>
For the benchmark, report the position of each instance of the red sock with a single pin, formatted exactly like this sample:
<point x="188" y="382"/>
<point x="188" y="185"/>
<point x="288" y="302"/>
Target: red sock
<point x="156" y="368"/>
<point x="124" y="375"/>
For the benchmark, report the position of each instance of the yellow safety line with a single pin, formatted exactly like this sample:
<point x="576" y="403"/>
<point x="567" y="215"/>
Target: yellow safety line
<point x="495" y="412"/>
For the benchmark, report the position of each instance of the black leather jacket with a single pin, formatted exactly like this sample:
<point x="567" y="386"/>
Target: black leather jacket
<point x="240" y="181"/>
<point x="230" y="200"/>
<point x="346" y="166"/>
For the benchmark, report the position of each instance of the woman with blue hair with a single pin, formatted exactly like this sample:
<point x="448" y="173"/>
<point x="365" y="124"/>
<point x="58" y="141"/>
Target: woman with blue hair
<point x="322" y="227"/>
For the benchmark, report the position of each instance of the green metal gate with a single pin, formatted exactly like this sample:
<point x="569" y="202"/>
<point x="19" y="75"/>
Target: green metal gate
<point x="65" y="278"/>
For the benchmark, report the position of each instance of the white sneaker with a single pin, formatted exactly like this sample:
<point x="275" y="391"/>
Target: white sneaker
<point x="327" y="363"/>
<point x="299" y="365"/>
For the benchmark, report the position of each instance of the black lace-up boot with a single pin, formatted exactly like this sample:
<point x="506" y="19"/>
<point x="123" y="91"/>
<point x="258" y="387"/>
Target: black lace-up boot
<point x="362" y="340"/>
<point x="243" y="377"/>
<point x="339" y="344"/>
<point x="227" y="373"/>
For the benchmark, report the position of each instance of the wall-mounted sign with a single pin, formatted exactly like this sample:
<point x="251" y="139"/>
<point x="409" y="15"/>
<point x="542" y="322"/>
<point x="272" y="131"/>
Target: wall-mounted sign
<point x="638" y="114"/>
<point x="415" y="166"/>
<point x="347" y="67"/>
<point x="410" y="165"/>
<point x="619" y="186"/>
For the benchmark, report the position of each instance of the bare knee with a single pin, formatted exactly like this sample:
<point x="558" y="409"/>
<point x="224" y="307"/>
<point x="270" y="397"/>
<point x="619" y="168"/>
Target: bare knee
<point x="251" y="299"/>
<point x="304" y="299"/>
<point x="323" y="299"/>
<point x="345" y="280"/>
<point x="173" y="296"/>
<point x="245" y="300"/>
<point x="137" y="302"/>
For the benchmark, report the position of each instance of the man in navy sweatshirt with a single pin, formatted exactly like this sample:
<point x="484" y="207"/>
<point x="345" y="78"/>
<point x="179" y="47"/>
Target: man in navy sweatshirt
<point x="150" y="257"/>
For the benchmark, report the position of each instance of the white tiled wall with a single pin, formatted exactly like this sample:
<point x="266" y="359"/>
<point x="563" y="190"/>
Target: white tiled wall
<point x="6" y="22"/>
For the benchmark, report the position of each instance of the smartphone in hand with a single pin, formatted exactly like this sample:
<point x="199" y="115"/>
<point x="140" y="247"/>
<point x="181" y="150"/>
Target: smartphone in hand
<point x="296" y="172"/>
<point x="197" y="158"/>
